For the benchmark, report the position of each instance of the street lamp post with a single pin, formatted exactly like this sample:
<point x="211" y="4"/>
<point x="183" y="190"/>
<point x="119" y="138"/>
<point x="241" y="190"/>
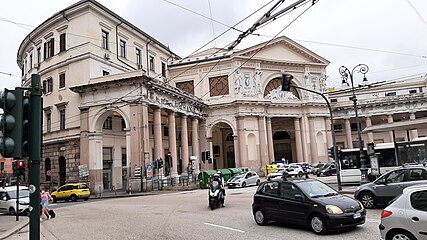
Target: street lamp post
<point x="346" y="73"/>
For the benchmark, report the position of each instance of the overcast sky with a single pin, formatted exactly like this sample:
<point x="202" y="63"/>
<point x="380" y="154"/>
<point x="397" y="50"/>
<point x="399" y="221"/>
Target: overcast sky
<point x="390" y="36"/>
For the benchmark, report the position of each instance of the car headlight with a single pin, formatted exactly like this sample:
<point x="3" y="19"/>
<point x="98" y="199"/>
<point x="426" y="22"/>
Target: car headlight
<point x="332" y="209"/>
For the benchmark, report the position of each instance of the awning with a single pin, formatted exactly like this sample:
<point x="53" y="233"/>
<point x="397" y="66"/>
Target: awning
<point x="402" y="125"/>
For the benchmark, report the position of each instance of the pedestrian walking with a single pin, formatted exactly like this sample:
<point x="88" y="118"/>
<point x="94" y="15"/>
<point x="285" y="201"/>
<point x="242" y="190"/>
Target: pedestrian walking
<point x="45" y="198"/>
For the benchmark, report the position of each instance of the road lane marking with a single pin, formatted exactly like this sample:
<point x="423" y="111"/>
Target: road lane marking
<point x="228" y="228"/>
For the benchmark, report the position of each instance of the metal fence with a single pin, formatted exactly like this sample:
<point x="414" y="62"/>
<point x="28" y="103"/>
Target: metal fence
<point x="168" y="182"/>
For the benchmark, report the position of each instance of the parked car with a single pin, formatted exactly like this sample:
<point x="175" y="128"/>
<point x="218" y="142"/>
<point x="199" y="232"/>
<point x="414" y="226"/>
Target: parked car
<point x="327" y="170"/>
<point x="390" y="185"/>
<point x="71" y="191"/>
<point x="406" y="217"/>
<point x="277" y="173"/>
<point x="295" y="170"/>
<point x="307" y="202"/>
<point x="244" y="179"/>
<point x="317" y="167"/>
<point x="8" y="199"/>
<point x="305" y="166"/>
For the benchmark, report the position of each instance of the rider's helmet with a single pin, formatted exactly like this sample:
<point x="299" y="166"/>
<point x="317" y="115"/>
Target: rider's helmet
<point x="219" y="173"/>
<point x="216" y="175"/>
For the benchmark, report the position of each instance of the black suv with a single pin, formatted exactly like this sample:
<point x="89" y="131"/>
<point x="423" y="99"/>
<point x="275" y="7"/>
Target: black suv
<point x="306" y="202"/>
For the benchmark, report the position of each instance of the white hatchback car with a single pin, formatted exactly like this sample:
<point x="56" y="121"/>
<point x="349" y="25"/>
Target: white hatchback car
<point x="244" y="179"/>
<point x="8" y="199"/>
<point x="295" y="170"/>
<point x="406" y="217"/>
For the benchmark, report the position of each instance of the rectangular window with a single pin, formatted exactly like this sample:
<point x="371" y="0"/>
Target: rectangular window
<point x="107" y="154"/>
<point x="48" y="122"/>
<point x="412" y="91"/>
<point x="62" y="119"/>
<point x="123" y="124"/>
<point x="62" y="42"/>
<point x="338" y="128"/>
<point x="108" y="124"/>
<point x="31" y="61"/>
<point x="138" y="57"/>
<point x="163" y="69"/>
<point x="187" y="86"/>
<point x="391" y="94"/>
<point x="44" y="86"/>
<point x="105" y="73"/>
<point x="104" y="36"/>
<point x="165" y="131"/>
<point x="354" y="126"/>
<point x="152" y="66"/>
<point x="39" y="55"/>
<point x="122" y="49"/>
<point x="49" y="48"/>
<point x="218" y="86"/>
<point x="62" y="80"/>
<point x="47" y="86"/>
<point x="334" y="100"/>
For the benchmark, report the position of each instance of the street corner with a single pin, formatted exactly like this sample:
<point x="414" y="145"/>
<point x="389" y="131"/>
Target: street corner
<point x="9" y="225"/>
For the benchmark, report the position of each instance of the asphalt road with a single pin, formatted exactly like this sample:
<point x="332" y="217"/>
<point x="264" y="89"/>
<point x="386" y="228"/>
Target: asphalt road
<point x="182" y="215"/>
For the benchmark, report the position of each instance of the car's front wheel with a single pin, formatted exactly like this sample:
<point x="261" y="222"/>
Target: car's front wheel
<point x="318" y="224"/>
<point x="12" y="211"/>
<point x="400" y="235"/>
<point x="368" y="200"/>
<point x="73" y="198"/>
<point x="258" y="182"/>
<point x="243" y="184"/>
<point x="260" y="217"/>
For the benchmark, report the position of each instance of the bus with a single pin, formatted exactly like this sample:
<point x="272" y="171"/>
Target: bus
<point x="414" y="151"/>
<point x="350" y="162"/>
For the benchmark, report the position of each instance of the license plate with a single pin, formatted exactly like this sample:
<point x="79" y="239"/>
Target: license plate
<point x="357" y="215"/>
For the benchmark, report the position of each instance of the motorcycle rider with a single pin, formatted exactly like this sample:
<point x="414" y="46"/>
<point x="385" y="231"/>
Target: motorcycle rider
<point x="217" y="177"/>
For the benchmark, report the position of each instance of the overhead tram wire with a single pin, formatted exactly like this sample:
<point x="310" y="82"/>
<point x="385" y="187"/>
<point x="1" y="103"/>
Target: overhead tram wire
<point x="268" y="42"/>
<point x="422" y="19"/>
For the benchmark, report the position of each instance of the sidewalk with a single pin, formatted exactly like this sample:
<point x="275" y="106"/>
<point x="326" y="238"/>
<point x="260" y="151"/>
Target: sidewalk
<point x="9" y="225"/>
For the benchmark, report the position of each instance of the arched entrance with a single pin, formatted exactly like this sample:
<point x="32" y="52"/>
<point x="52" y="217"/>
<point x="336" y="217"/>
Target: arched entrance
<point x="282" y="146"/>
<point x="223" y="146"/>
<point x="62" y="170"/>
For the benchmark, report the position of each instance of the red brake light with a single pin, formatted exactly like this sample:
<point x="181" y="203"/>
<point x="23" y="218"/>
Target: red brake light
<point x="386" y="213"/>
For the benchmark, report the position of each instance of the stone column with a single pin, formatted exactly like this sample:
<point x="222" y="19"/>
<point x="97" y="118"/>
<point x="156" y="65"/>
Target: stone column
<point x="172" y="143"/>
<point x="203" y="141"/>
<point x="370" y="134"/>
<point x="313" y="142"/>
<point x="236" y="149"/>
<point x="145" y="135"/>
<point x="348" y="135"/>
<point x="304" y="130"/>
<point x="242" y="142"/>
<point x="270" y="141"/>
<point x="390" y="120"/>
<point x="329" y="133"/>
<point x="298" y="140"/>
<point x="195" y="144"/>
<point x="158" y="145"/>
<point x="414" y="133"/>
<point x="262" y="142"/>
<point x="184" y="144"/>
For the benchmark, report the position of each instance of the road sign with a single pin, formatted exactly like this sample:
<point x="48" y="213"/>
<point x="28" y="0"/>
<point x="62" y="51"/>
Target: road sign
<point x="83" y="171"/>
<point x="149" y="172"/>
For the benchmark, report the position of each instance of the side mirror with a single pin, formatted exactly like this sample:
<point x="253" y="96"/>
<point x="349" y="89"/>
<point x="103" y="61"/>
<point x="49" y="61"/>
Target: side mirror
<point x="4" y="199"/>
<point x="298" y="196"/>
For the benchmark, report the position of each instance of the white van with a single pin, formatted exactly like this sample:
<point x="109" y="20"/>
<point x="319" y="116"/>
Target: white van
<point x="8" y="199"/>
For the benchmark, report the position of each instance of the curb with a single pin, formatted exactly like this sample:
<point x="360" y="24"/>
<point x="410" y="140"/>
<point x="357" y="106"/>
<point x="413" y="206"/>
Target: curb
<point x="14" y="230"/>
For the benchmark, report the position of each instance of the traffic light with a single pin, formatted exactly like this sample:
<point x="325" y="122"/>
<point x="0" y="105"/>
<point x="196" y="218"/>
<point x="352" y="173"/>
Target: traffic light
<point x="331" y="152"/>
<point x="25" y="125"/>
<point x="208" y="155"/>
<point x="15" y="168"/>
<point x="286" y="82"/>
<point x="11" y="123"/>
<point x="156" y="164"/>
<point x="21" y="168"/>
<point x="160" y="164"/>
<point x="339" y="152"/>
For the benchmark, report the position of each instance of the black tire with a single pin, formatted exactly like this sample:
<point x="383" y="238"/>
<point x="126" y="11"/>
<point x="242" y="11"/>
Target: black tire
<point x="300" y="174"/>
<point x="54" y="199"/>
<point x="258" y="182"/>
<point x="260" y="217"/>
<point x="243" y="184"/>
<point x="400" y="234"/>
<point x="317" y="224"/>
<point x="73" y="198"/>
<point x="12" y="211"/>
<point x="368" y="200"/>
<point x="86" y="198"/>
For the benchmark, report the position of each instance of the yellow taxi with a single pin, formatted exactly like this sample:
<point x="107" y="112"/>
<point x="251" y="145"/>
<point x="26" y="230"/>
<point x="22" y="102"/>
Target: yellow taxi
<point x="71" y="191"/>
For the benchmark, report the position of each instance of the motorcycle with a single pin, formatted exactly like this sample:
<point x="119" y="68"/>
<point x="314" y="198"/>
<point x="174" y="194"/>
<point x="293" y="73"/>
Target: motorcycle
<point x="216" y="197"/>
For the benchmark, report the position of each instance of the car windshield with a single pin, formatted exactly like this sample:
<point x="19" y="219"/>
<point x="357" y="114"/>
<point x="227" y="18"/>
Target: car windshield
<point x="279" y="170"/>
<point x="22" y="193"/>
<point x="238" y="176"/>
<point x="316" y="189"/>
<point x="320" y="165"/>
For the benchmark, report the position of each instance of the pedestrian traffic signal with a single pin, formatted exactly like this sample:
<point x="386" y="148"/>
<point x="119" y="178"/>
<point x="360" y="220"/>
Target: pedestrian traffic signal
<point x="286" y="82"/>
<point x="21" y="168"/>
<point x="11" y="123"/>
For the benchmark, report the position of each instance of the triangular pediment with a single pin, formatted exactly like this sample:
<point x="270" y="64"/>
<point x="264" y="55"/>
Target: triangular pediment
<point x="282" y="49"/>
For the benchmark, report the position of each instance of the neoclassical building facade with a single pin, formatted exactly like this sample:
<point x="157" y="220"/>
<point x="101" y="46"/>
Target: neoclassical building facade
<point x="115" y="100"/>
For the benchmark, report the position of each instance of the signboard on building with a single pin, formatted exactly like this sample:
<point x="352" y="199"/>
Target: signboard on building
<point x="83" y="171"/>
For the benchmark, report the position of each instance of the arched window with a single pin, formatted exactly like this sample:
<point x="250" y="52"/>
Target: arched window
<point x="229" y="137"/>
<point x="281" y="135"/>
<point x="276" y="83"/>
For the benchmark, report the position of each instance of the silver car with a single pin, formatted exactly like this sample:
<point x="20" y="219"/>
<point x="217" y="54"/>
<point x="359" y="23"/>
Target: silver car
<point x="390" y="185"/>
<point x="406" y="217"/>
<point x="244" y="179"/>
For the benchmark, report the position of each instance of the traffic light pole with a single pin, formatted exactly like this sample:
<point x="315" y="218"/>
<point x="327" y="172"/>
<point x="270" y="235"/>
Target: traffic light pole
<point x="334" y="141"/>
<point x="35" y="154"/>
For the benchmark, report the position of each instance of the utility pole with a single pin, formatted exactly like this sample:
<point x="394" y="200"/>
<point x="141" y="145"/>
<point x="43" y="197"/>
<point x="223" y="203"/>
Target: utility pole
<point x="35" y="142"/>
